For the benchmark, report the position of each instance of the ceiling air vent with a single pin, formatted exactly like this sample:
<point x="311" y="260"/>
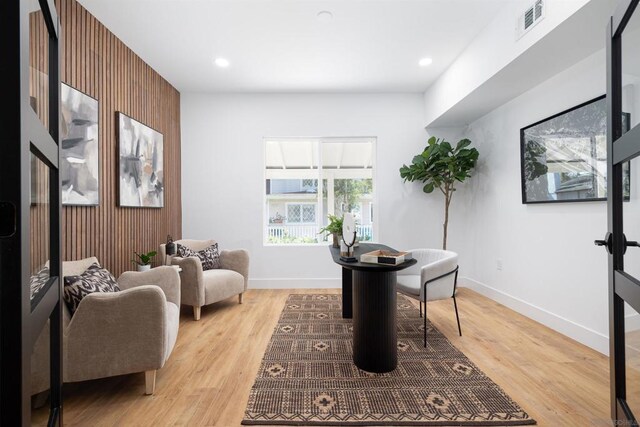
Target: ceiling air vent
<point x="531" y="16"/>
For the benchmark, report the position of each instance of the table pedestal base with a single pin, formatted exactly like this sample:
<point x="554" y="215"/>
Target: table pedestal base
<point x="375" y="335"/>
<point x="347" y="304"/>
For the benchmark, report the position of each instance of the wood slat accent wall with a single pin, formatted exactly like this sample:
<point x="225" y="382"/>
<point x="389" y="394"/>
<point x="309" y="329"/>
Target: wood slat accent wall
<point x="97" y="63"/>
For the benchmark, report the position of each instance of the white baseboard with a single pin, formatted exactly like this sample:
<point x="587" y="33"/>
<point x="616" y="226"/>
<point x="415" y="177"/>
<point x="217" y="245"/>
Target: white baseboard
<point x="582" y="334"/>
<point x="288" y="283"/>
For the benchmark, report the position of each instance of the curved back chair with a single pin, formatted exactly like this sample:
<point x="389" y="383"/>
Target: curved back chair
<point x="433" y="277"/>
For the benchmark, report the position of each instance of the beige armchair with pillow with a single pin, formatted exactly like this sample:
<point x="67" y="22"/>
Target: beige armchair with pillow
<point x="203" y="287"/>
<point x="116" y="333"/>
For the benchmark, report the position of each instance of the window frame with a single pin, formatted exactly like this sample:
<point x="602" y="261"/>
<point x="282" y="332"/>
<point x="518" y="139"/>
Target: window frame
<point x="318" y="141"/>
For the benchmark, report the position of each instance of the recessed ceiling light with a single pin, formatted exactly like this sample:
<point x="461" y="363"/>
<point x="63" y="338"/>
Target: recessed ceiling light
<point x="325" y="16"/>
<point x="222" y="62"/>
<point x="425" y="62"/>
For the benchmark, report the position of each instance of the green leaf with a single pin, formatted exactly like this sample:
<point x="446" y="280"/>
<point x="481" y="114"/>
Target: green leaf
<point x="463" y="143"/>
<point x="428" y="188"/>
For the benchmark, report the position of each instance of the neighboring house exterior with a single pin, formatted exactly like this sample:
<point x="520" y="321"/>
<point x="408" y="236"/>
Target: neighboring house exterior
<point x="307" y="179"/>
<point x="294" y="212"/>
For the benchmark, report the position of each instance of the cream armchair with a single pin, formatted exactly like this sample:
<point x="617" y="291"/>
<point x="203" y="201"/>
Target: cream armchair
<point x="207" y="287"/>
<point x="117" y="333"/>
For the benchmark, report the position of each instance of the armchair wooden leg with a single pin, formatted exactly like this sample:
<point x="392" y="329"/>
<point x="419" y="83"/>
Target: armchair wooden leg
<point x="240" y="298"/>
<point x="150" y="382"/>
<point x="196" y="312"/>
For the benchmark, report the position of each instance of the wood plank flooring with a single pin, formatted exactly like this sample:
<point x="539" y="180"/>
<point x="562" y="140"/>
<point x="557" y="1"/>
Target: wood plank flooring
<point x="207" y="379"/>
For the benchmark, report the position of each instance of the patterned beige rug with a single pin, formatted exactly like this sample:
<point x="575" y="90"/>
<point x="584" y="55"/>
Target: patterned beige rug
<point x="307" y="376"/>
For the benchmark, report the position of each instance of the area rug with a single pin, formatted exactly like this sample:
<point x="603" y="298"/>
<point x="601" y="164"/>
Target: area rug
<point x="307" y="376"/>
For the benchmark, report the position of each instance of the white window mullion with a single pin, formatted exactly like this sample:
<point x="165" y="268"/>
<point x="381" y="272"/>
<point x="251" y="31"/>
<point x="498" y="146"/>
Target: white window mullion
<point x="319" y="212"/>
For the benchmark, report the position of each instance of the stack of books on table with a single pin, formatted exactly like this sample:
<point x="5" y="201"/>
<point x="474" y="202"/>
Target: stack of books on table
<point x="385" y="257"/>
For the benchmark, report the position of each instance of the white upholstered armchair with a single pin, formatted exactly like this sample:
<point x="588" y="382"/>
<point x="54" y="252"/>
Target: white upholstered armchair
<point x="203" y="287"/>
<point x="433" y="277"/>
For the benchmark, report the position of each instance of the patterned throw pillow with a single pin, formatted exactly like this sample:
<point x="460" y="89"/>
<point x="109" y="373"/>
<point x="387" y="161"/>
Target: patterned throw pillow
<point x="94" y="279"/>
<point x="209" y="257"/>
<point x="38" y="280"/>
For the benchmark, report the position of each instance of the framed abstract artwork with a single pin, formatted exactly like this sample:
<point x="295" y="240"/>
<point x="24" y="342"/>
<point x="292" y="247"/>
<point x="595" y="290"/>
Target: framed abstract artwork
<point x="141" y="164"/>
<point x="80" y="148"/>
<point x="564" y="157"/>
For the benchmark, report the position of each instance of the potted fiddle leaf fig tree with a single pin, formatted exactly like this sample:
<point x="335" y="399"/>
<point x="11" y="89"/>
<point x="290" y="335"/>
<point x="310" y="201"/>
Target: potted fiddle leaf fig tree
<point x="441" y="166"/>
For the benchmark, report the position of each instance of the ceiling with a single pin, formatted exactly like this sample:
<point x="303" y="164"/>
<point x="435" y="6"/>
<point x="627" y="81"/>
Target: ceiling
<point x="281" y="45"/>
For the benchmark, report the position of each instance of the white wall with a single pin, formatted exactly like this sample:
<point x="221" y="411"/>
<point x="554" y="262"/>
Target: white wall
<point x="551" y="269"/>
<point x="223" y="186"/>
<point x="492" y="50"/>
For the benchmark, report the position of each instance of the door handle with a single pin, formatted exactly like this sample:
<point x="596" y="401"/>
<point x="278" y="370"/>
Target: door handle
<point x="629" y="243"/>
<point x="607" y="242"/>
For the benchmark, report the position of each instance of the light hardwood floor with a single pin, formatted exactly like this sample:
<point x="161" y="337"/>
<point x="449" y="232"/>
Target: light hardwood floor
<point x="208" y="377"/>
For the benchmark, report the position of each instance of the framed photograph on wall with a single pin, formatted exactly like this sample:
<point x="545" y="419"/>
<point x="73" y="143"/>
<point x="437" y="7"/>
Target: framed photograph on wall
<point x="141" y="152"/>
<point x="79" y="148"/>
<point x="564" y="157"/>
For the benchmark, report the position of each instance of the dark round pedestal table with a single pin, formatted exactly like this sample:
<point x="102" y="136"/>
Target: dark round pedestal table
<point x="375" y="334"/>
<point x="373" y="296"/>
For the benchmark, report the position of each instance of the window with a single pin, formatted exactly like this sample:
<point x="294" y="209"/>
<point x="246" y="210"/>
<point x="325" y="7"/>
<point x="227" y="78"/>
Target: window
<point x="309" y="184"/>
<point x="298" y="213"/>
<point x="308" y="179"/>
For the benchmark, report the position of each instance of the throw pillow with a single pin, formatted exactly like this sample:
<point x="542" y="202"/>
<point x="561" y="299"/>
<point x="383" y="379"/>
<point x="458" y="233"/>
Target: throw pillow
<point x="209" y="257"/>
<point x="94" y="279"/>
<point x="38" y="280"/>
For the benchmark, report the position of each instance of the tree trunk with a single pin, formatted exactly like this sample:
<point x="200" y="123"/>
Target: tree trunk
<point x="445" y="225"/>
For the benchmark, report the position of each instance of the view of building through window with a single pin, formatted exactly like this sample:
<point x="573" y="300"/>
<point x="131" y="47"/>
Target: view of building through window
<point x="308" y="179"/>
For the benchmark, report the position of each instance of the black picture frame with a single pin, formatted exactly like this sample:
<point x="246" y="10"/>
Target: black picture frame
<point x="523" y="155"/>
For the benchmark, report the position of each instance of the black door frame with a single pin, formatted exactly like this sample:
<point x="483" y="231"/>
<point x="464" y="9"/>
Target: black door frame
<point x="24" y="134"/>
<point x="620" y="149"/>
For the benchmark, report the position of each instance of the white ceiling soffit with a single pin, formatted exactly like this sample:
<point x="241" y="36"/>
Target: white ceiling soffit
<point x="282" y="46"/>
<point x="579" y="36"/>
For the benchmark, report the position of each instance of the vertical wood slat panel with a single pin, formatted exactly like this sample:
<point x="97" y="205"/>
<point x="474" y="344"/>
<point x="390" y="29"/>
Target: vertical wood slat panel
<point x="39" y="100"/>
<point x="102" y="66"/>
